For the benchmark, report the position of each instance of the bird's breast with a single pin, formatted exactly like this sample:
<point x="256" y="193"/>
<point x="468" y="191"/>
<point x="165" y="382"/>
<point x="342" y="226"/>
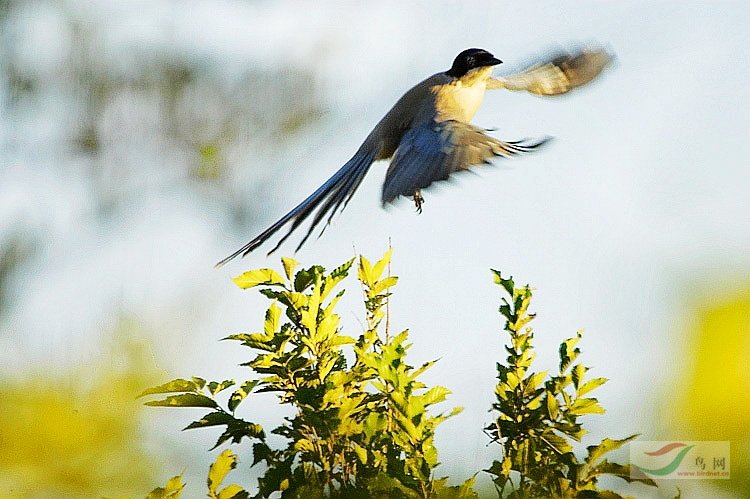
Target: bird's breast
<point x="458" y="101"/>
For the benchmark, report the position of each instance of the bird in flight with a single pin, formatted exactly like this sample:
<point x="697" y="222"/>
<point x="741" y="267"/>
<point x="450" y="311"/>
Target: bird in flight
<point x="428" y="136"/>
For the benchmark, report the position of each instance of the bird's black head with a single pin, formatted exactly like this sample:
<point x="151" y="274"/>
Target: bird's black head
<point x="471" y="59"/>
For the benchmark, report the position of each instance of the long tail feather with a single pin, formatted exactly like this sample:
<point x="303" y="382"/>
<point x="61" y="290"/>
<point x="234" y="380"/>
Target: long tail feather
<point x="332" y="193"/>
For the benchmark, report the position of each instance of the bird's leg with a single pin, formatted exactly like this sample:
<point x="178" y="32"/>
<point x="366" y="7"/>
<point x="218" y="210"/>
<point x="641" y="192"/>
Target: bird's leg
<point x="418" y="200"/>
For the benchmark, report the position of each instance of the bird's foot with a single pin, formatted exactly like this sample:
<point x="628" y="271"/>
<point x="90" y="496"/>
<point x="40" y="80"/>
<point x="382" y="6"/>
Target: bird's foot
<point x="418" y="200"/>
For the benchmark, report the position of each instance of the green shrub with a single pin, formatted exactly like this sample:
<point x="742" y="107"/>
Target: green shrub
<point x="359" y="430"/>
<point x="537" y="417"/>
<point x="365" y="429"/>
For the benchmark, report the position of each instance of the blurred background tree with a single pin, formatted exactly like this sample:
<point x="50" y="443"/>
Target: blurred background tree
<point x="712" y="388"/>
<point x="78" y="433"/>
<point x="106" y="143"/>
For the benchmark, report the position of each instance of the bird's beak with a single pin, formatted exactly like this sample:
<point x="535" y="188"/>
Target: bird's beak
<point x="494" y="62"/>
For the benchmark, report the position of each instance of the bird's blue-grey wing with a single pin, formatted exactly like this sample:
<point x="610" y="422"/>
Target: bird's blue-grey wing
<point x="433" y="151"/>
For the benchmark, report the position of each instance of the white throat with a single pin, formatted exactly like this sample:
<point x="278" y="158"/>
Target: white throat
<point x="469" y="92"/>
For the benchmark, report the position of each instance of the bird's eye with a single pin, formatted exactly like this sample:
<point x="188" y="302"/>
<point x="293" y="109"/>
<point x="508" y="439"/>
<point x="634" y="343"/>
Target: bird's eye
<point x="470" y="61"/>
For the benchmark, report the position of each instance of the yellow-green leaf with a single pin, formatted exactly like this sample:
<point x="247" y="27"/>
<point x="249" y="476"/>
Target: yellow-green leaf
<point x="505" y="283"/>
<point x="590" y="385"/>
<point x="297" y="300"/>
<point x="364" y="271"/>
<point x="350" y="405"/>
<point x="216" y="387"/>
<point x="324" y="367"/>
<point x="553" y="408"/>
<point x="341" y="339"/>
<point x="289" y="265"/>
<point x="309" y="316"/>
<point x="512" y="381"/>
<point x="435" y="395"/>
<point x="241" y="392"/>
<point x="415" y="435"/>
<point x="184" y="400"/>
<point x="430" y="454"/>
<point x="336" y="276"/>
<point x="172" y="490"/>
<point x="507" y="466"/>
<point x="328" y="326"/>
<point x="568" y="351"/>
<point x="578" y="373"/>
<point x="176" y="385"/>
<point x="271" y="324"/>
<point x="303" y="445"/>
<point x="535" y="403"/>
<point x="384" y="284"/>
<point x="596" y="452"/>
<point x="361" y="452"/>
<point x="212" y="419"/>
<point x="218" y="471"/>
<point x="379" y="267"/>
<point x="558" y="443"/>
<point x="257" y="277"/>
<point x="533" y="381"/>
<point x="231" y="492"/>
<point x="331" y="304"/>
<point x="421" y="369"/>
<point x="586" y="406"/>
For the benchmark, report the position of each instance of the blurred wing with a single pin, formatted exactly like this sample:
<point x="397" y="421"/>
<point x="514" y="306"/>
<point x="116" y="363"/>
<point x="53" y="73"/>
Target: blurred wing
<point x="434" y="151"/>
<point x="558" y="76"/>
